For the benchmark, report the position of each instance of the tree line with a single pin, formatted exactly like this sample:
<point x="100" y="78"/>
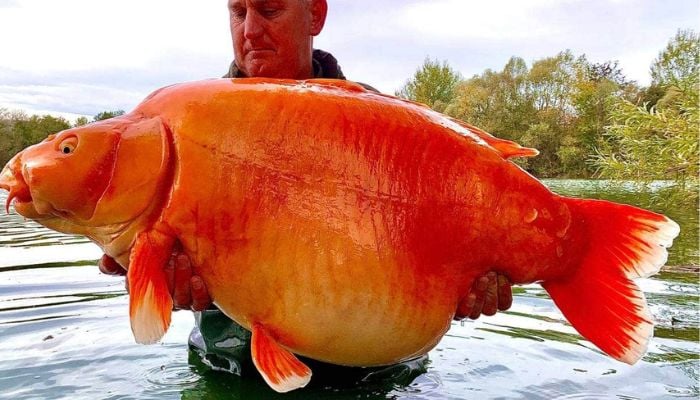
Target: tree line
<point x="19" y="130"/>
<point x="587" y="119"/>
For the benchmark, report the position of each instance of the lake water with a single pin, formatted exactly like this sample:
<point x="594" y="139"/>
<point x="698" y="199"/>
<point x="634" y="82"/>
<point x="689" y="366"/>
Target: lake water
<point x="64" y="333"/>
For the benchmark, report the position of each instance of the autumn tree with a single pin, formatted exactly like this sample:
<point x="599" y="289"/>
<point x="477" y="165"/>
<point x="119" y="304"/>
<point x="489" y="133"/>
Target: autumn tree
<point x="659" y="142"/>
<point x="432" y="84"/>
<point x="679" y="61"/>
<point x="595" y="85"/>
<point x="498" y="102"/>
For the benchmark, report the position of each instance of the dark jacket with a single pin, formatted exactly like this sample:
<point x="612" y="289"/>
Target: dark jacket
<point x="325" y="66"/>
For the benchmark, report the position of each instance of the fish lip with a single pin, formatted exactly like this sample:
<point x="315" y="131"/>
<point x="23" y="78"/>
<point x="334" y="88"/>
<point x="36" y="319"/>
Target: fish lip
<point x="10" y="197"/>
<point x="13" y="181"/>
<point x="28" y="210"/>
<point x="21" y="195"/>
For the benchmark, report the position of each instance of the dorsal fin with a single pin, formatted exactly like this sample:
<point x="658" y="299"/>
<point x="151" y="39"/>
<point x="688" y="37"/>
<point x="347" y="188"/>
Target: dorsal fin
<point x="507" y="148"/>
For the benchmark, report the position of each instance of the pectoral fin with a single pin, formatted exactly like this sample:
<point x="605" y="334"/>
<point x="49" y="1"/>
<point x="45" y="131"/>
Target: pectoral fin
<point x="278" y="366"/>
<point x="150" y="304"/>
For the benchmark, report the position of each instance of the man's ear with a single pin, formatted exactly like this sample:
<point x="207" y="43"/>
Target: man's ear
<point x="319" y="10"/>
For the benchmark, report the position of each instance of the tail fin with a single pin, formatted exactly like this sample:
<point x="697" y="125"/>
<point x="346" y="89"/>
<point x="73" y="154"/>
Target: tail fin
<point x="599" y="298"/>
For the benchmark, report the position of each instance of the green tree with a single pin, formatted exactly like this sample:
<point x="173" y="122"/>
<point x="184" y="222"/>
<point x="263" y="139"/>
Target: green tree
<point x="660" y="141"/>
<point x="36" y="128"/>
<point x="678" y="61"/>
<point x="649" y="96"/>
<point x="551" y="82"/>
<point x="107" y="115"/>
<point x="432" y="84"/>
<point x="498" y="102"/>
<point x="533" y="106"/>
<point x="476" y="101"/>
<point x="80" y="121"/>
<point x="7" y="140"/>
<point x="595" y="84"/>
<point x="18" y="131"/>
<point x="657" y="143"/>
<point x="551" y="88"/>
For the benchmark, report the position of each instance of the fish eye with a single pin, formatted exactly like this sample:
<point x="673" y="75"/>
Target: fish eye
<point x="68" y="145"/>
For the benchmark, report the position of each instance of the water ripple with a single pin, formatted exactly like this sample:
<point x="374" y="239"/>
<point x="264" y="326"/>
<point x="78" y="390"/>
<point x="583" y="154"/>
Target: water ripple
<point x="169" y="377"/>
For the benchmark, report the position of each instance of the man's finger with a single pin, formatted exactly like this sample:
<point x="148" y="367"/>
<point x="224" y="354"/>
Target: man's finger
<point x="108" y="266"/>
<point x="464" y="308"/>
<point x="183" y="273"/>
<point x="200" y="295"/>
<point x="505" y="293"/>
<point x="491" y="297"/>
<point x="479" y="290"/>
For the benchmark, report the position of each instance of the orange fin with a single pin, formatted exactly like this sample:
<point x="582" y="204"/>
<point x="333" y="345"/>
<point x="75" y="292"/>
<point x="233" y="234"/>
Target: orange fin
<point x="150" y="304"/>
<point x="507" y="148"/>
<point x="278" y="366"/>
<point x="599" y="298"/>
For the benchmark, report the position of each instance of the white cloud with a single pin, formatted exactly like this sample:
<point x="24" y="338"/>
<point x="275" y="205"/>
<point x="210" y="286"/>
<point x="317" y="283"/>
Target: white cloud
<point x="83" y="56"/>
<point x="636" y="65"/>
<point x="74" y="99"/>
<point x="489" y="20"/>
<point x="83" y="34"/>
<point x="86" y="56"/>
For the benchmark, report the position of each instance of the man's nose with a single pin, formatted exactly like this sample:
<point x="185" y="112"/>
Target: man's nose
<point x="253" y="25"/>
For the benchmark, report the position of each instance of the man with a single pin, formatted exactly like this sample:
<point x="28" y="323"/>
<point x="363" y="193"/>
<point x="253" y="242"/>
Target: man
<point x="274" y="39"/>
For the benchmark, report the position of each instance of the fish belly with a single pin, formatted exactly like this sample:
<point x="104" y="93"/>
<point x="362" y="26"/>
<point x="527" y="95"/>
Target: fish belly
<point x="326" y="296"/>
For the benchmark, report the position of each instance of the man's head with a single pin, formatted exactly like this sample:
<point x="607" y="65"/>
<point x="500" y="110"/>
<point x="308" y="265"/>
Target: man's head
<point x="274" y="38"/>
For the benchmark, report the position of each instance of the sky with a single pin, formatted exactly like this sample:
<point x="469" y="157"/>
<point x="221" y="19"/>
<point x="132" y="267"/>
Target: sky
<point x="80" y="57"/>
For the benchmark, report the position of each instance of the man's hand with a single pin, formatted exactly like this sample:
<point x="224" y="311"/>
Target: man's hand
<point x="489" y="294"/>
<point x="188" y="291"/>
<point x="108" y="266"/>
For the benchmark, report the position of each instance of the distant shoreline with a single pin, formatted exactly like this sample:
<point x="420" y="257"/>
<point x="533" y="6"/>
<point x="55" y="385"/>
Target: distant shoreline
<point x="682" y="269"/>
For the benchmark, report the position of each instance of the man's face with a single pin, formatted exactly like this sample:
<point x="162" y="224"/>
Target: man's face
<point x="273" y="38"/>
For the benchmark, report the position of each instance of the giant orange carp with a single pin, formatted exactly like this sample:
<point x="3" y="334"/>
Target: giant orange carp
<point x="332" y="222"/>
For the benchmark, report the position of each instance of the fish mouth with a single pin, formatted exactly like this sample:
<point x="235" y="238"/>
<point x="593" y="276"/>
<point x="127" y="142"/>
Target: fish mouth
<point x="14" y="183"/>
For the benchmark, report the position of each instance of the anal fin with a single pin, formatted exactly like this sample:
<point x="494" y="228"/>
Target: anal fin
<point x="281" y="369"/>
